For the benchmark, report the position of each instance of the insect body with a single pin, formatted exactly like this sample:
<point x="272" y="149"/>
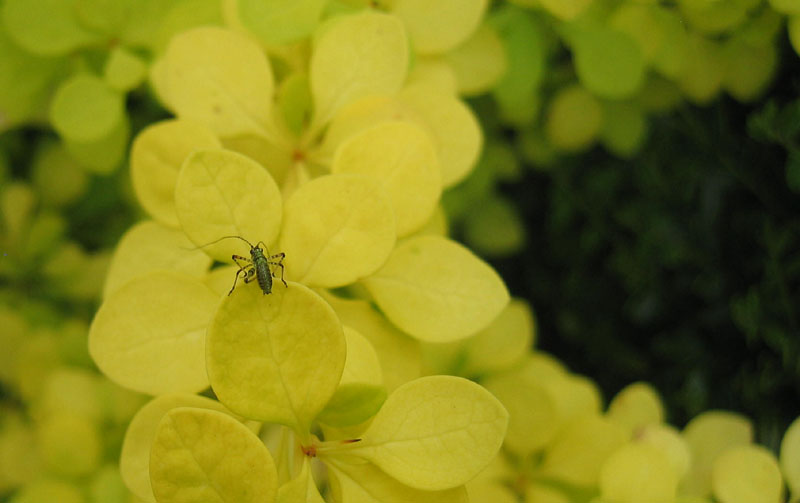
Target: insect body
<point x="257" y="266"/>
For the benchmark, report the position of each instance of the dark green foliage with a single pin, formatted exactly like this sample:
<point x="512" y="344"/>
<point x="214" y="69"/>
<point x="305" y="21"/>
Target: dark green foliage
<point x="680" y="267"/>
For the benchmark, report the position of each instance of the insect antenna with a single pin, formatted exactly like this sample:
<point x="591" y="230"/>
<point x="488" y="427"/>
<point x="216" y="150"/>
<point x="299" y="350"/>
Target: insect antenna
<point x="220" y="239"/>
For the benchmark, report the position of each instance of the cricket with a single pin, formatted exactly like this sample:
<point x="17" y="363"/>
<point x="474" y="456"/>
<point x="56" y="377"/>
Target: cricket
<point x="257" y="266"/>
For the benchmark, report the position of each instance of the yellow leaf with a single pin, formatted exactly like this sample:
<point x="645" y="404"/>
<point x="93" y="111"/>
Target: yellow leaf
<point x="157" y="155"/>
<point x="578" y="453"/>
<point x="276" y="358"/>
<point x="423" y="20"/>
<point x="437" y="290"/>
<point x="479" y="63"/>
<point x="134" y="460"/>
<point x="218" y="78"/>
<point x="149" y="335"/>
<point x="336" y="229"/>
<point x="355" y="56"/>
<point x="636" y="473"/>
<point x="503" y="343"/>
<point x="366" y="483"/>
<point x="300" y="489"/>
<point x="747" y="474"/>
<point x="790" y="457"/>
<point x="362" y="364"/>
<point x="636" y="406"/>
<point x="409" y="446"/>
<point x="400" y="356"/>
<point x="708" y="435"/>
<point x="202" y="455"/>
<point x="453" y="126"/>
<point x="668" y="440"/>
<point x="403" y="161"/>
<point x="223" y="193"/>
<point x="150" y="246"/>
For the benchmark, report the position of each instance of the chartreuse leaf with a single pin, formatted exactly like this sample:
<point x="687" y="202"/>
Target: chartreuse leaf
<point x="669" y="441"/>
<point x="574" y="119"/>
<point x="636" y="406"/>
<point x="282" y="21"/>
<point x="157" y="155"/>
<point x="399" y="355"/>
<point x="404" y="441"/>
<point x="44" y="27"/>
<point x="337" y="229"/>
<point x="86" y="109"/>
<point x="423" y="22"/>
<point x="533" y="412"/>
<point x="149" y="334"/>
<point x="437" y="290"/>
<point x="355" y="56"/>
<point x="708" y="435"/>
<point x="790" y="458"/>
<point x="638" y="472"/>
<point x="453" y="126"/>
<point x="124" y="70"/>
<point x="300" y="489"/>
<point x="352" y="404"/>
<point x="134" y="461"/>
<point x="362" y="364"/>
<point x="577" y="455"/>
<point x="480" y="62"/>
<point x="104" y="154"/>
<point x="503" y="343"/>
<point x="747" y="474"/>
<point x="150" y="246"/>
<point x="202" y="455"/>
<point x="219" y="78"/>
<point x="402" y="159"/>
<point x="275" y="358"/>
<point x="49" y="489"/>
<point x="222" y="193"/>
<point x="366" y="483"/>
<point x="69" y="444"/>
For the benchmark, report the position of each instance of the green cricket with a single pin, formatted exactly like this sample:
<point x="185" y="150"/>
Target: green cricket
<point x="257" y="266"/>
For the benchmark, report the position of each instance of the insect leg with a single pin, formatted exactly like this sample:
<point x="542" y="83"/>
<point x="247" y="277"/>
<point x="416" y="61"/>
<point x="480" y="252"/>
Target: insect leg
<point x="248" y="265"/>
<point x="279" y="263"/>
<point x="250" y="274"/>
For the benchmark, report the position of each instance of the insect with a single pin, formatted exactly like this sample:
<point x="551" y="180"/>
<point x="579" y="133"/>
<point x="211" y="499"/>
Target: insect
<point x="257" y="266"/>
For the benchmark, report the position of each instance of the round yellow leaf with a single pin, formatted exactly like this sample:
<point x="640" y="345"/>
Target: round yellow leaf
<point x="503" y="343"/>
<point x="423" y="20"/>
<point x="157" y="155"/>
<point x="708" y="435"/>
<point x="134" y="460"/>
<point x="149" y="246"/>
<point x="337" y="229"/>
<point x="790" y="456"/>
<point x="636" y="473"/>
<point x="747" y="474"/>
<point x="355" y="56"/>
<point x="467" y="432"/>
<point x="202" y="455"/>
<point x="361" y="364"/>
<point x="223" y="193"/>
<point x="219" y="78"/>
<point x="577" y="454"/>
<point x="402" y="159"/>
<point x="636" y="406"/>
<point x="149" y="335"/>
<point x="400" y="356"/>
<point x="533" y="413"/>
<point x="436" y="290"/>
<point x="366" y="483"/>
<point x="479" y="63"/>
<point x="276" y="358"/>
<point x="456" y="132"/>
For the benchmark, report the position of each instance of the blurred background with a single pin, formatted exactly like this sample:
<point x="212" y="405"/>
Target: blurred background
<point x="639" y="185"/>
